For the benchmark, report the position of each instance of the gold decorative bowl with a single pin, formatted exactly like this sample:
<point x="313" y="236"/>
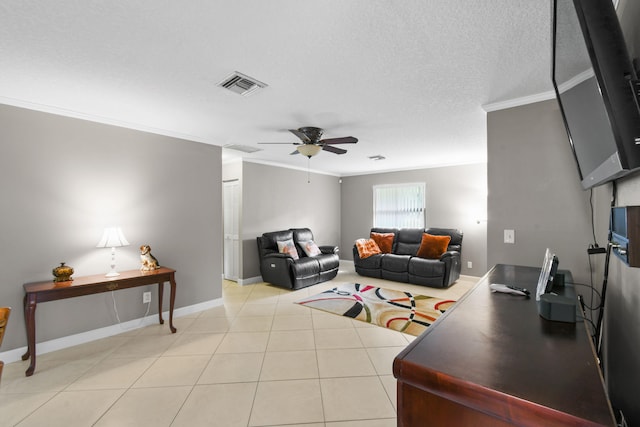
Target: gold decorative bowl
<point x="62" y="273"/>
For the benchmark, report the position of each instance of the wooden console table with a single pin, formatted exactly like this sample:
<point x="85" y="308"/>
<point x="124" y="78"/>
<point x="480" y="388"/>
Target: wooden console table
<point x="88" y="285"/>
<point x="491" y="360"/>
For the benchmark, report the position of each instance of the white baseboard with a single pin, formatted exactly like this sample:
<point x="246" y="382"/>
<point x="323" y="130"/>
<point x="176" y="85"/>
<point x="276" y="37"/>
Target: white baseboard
<point x="15" y="355"/>
<point x="250" y="281"/>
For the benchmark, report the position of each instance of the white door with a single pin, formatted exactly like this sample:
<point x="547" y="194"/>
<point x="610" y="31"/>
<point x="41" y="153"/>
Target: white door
<point x="231" y="217"/>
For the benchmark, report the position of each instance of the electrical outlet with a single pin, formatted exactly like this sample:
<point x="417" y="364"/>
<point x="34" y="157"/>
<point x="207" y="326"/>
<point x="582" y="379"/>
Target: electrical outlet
<point x="509" y="236"/>
<point x="146" y="297"/>
<point x="469" y="264"/>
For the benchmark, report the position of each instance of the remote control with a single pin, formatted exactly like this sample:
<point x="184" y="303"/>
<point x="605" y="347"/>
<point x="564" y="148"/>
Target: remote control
<point x="509" y="289"/>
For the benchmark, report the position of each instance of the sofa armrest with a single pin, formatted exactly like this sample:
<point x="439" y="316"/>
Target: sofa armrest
<point x="453" y="266"/>
<point x="448" y="255"/>
<point x="356" y="254"/>
<point x="276" y="268"/>
<point x="329" y="249"/>
<point x="281" y="260"/>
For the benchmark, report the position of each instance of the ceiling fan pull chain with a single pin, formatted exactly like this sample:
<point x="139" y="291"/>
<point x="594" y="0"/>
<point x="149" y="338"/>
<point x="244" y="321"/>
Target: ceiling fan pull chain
<point x="308" y="170"/>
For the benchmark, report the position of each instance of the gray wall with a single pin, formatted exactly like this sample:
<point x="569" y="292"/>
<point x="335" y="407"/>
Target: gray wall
<point x="621" y="342"/>
<point x="534" y="189"/>
<point x="275" y="198"/>
<point x="456" y="198"/>
<point x="63" y="180"/>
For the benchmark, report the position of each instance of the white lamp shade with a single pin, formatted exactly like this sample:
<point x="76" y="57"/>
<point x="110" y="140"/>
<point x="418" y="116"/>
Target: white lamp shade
<point x="112" y="238"/>
<point x="309" y="150"/>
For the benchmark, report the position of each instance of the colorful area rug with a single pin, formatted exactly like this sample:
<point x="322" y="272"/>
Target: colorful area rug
<point x="397" y="310"/>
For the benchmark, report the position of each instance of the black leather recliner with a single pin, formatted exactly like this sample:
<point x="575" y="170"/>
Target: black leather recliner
<point x="282" y="270"/>
<point x="402" y="264"/>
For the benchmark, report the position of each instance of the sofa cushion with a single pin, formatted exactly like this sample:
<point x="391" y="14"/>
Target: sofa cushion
<point x="408" y="241"/>
<point x="367" y="248"/>
<point x="302" y="234"/>
<point x="384" y="241"/>
<point x="395" y="263"/>
<point x="422" y="267"/>
<point x="372" y="263"/>
<point x="288" y="248"/>
<point x="270" y="240"/>
<point x="310" y="248"/>
<point x="305" y="267"/>
<point x="328" y="262"/>
<point x="432" y="247"/>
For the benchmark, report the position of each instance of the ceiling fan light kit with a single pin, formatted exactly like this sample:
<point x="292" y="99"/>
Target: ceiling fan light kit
<point x="309" y="150"/>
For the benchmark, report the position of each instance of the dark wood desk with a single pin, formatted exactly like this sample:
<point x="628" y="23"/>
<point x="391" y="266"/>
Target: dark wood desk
<point x="491" y="360"/>
<point x="88" y="285"/>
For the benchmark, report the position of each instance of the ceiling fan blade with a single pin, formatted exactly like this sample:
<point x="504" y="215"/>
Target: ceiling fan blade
<point x="343" y="140"/>
<point x="294" y="152"/>
<point x="287" y="143"/>
<point x="304" y="138"/>
<point x="335" y="150"/>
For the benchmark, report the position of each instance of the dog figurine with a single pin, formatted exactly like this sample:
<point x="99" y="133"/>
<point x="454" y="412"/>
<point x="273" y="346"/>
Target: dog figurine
<point x="149" y="262"/>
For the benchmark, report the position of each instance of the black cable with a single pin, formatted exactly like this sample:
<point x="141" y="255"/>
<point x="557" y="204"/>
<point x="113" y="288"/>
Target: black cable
<point x="593" y="291"/>
<point x="591" y="308"/>
<point x="588" y="320"/>
<point x="614" y="194"/>
<point x="592" y="287"/>
<point x="593" y="227"/>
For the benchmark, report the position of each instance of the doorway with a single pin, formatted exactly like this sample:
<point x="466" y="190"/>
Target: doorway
<point x="231" y="229"/>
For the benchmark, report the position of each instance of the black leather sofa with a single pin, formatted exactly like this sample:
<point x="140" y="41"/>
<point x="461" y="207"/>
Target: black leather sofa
<point x="402" y="264"/>
<point x="282" y="270"/>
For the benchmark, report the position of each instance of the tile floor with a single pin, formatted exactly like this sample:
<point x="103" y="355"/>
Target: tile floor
<point x="259" y="360"/>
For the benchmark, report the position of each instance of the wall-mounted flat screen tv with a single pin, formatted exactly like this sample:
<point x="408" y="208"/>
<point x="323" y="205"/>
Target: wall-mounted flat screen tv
<point x="596" y="85"/>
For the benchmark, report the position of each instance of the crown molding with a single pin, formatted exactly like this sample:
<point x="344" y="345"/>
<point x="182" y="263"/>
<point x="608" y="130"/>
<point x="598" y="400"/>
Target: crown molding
<point x="517" y="102"/>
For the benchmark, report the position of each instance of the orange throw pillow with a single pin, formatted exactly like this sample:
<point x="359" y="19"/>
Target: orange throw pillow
<point x="432" y="247"/>
<point x="366" y="248"/>
<point x="384" y="241"/>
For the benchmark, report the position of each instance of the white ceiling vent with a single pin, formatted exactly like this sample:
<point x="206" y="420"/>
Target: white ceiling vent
<point x="243" y="148"/>
<point x="241" y="84"/>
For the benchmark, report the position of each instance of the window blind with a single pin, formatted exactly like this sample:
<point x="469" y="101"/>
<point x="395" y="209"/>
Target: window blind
<point x="399" y="206"/>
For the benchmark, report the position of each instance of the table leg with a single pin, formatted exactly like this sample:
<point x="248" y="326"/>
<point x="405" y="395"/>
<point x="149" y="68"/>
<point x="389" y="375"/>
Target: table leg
<point x="26" y="322"/>
<point x="172" y="300"/>
<point x="160" y="294"/>
<point x="30" y="320"/>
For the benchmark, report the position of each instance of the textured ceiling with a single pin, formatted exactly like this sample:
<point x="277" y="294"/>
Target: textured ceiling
<point x="409" y="78"/>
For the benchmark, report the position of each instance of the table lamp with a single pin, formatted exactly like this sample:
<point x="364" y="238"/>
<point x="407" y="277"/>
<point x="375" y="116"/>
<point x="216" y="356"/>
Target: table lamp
<point x="112" y="238"/>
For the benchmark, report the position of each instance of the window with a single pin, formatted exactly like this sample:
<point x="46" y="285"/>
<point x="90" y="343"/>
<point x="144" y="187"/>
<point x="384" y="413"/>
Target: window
<point x="399" y="205"/>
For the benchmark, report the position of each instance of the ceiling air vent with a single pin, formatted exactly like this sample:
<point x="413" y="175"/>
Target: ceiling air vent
<point x="243" y="148"/>
<point x="241" y="84"/>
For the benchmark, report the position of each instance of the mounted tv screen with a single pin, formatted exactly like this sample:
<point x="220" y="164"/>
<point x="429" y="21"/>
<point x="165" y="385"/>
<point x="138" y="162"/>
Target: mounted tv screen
<point x="596" y="86"/>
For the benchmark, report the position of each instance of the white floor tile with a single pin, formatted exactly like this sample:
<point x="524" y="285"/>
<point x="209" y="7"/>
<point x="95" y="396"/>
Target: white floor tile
<point x="291" y="340"/>
<point x="356" y="398"/>
<point x="226" y="405"/>
<point x="287" y="402"/>
<point x="289" y="365"/>
<point x="232" y="368"/>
